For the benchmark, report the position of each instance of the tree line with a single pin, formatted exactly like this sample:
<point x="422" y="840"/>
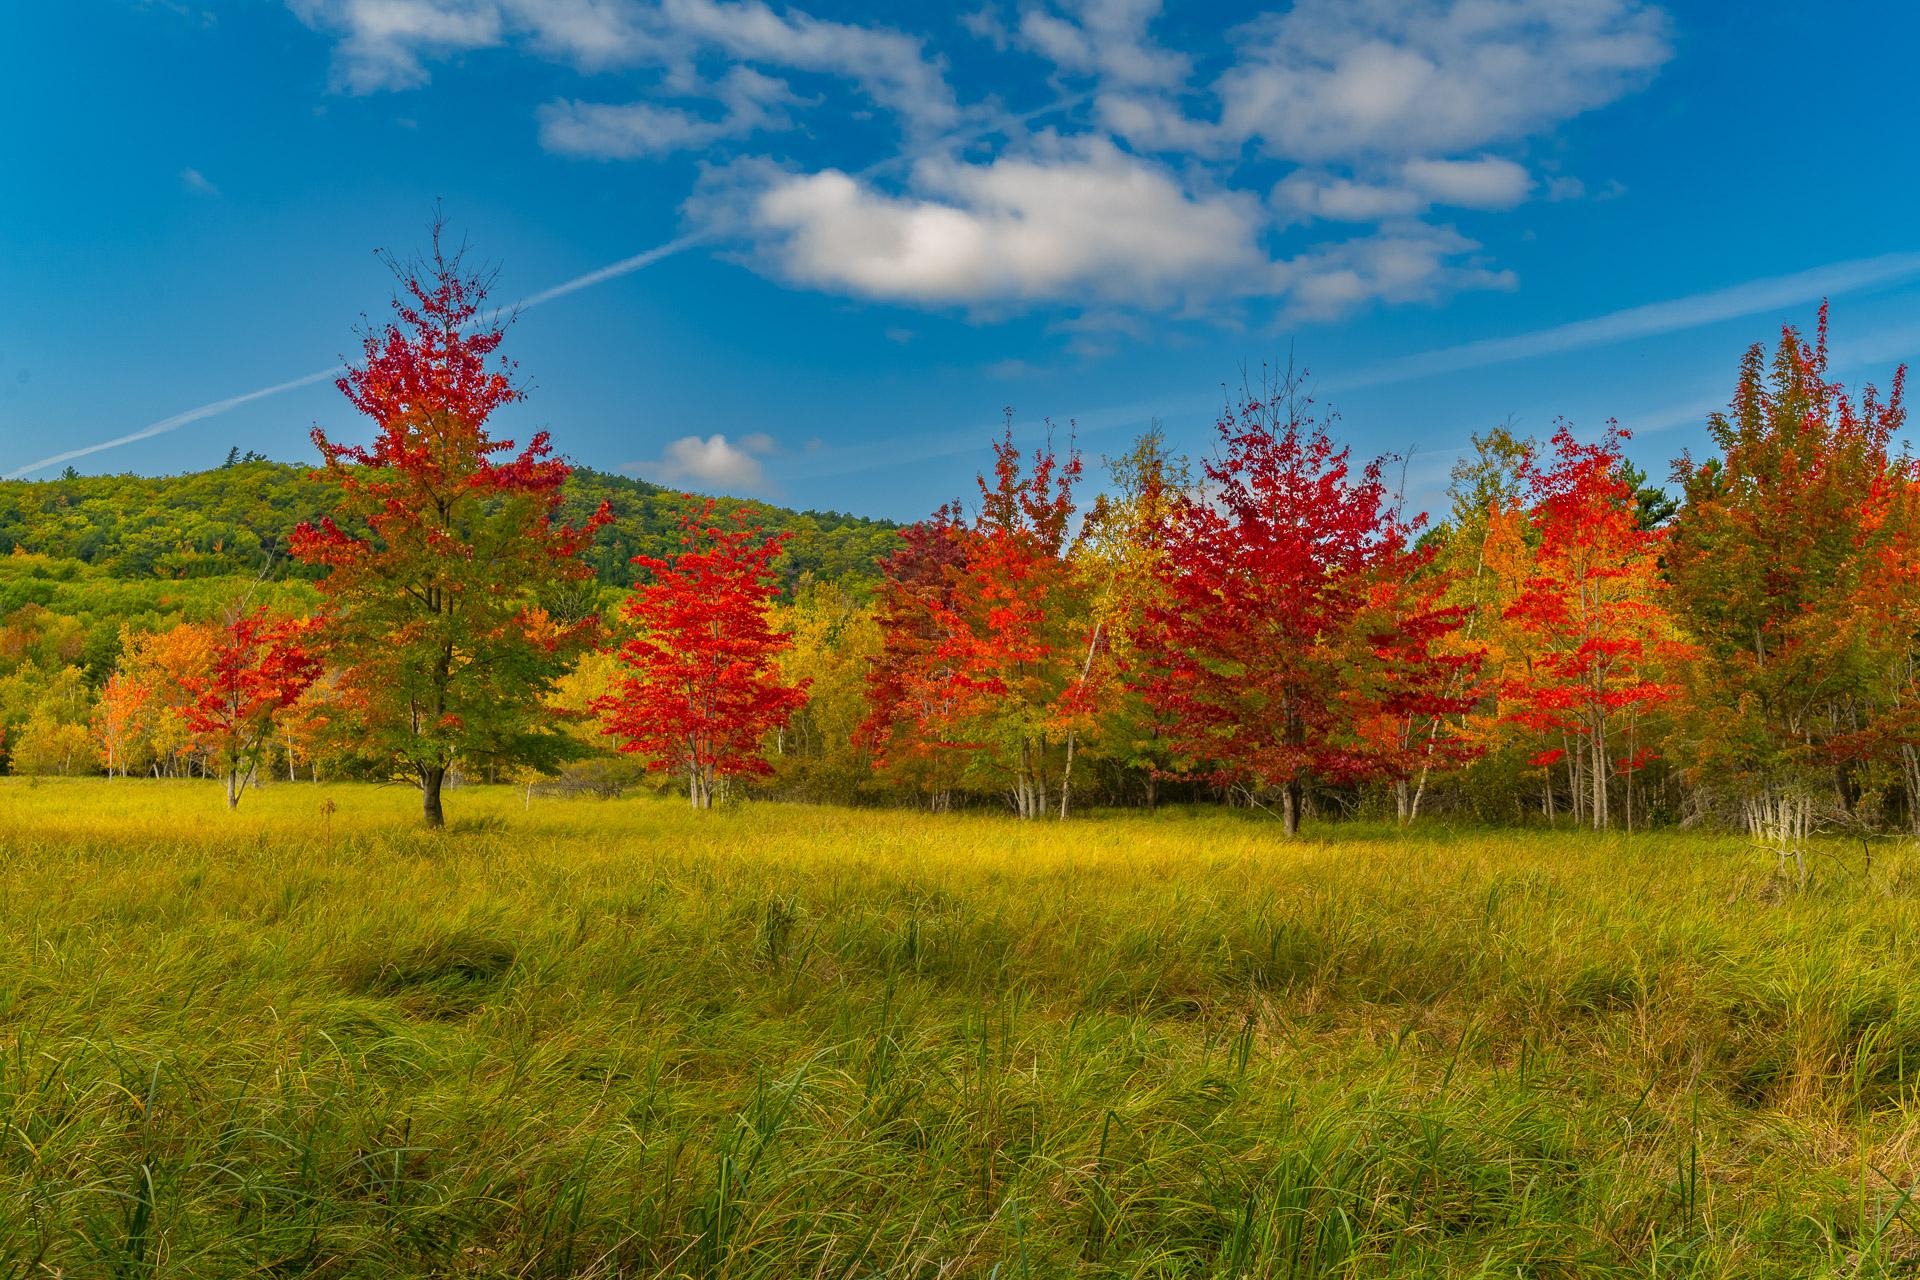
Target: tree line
<point x="1267" y="627"/>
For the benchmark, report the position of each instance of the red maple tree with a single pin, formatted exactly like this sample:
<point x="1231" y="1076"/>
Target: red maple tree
<point x="911" y="701"/>
<point x="261" y="666"/>
<point x="989" y="643"/>
<point x="1592" y="615"/>
<point x="703" y="687"/>
<point x="1286" y="646"/>
<point x="441" y="552"/>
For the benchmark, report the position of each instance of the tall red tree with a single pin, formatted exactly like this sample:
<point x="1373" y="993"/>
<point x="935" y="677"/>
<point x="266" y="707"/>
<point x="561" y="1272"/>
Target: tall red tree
<point x="1000" y="639"/>
<point x="1592" y="617"/>
<point x="703" y="688"/>
<point x="444" y="544"/>
<point x="1284" y="646"/>
<point x="260" y="667"/>
<point x="911" y="698"/>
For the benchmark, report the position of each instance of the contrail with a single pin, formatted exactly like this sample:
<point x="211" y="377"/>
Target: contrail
<point x="612" y="271"/>
<point x="177" y="421"/>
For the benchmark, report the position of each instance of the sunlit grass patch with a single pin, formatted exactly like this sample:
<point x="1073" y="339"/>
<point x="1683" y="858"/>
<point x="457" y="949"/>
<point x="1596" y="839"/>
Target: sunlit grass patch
<point x="619" y="1038"/>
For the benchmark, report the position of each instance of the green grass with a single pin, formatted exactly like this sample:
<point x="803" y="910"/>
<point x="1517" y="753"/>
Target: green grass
<point x="622" y="1039"/>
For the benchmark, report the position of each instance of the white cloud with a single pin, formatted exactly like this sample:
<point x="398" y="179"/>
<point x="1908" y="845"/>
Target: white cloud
<point x="985" y="24"/>
<point x="1152" y="122"/>
<point x="1108" y="38"/>
<point x="711" y="460"/>
<point x="1484" y="183"/>
<point x="1087" y="222"/>
<point x="387" y="44"/>
<point x="1417" y="263"/>
<point x="593" y="34"/>
<point x="1331" y="80"/>
<point x="751" y="103"/>
<point x="383" y="42"/>
<point x="1487" y="182"/>
<point x="1308" y="195"/>
<point x="198" y="183"/>
<point x="892" y="67"/>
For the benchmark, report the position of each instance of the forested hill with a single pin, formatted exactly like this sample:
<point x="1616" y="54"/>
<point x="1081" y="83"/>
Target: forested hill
<point x="236" y="519"/>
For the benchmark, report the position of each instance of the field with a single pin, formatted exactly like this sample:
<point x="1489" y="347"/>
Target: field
<point x="623" y="1039"/>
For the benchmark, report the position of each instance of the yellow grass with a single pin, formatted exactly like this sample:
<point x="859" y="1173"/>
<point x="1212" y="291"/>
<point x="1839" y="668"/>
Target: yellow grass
<point x="620" y="1038"/>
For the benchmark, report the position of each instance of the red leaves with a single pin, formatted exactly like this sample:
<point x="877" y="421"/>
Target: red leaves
<point x="985" y="635"/>
<point x="1296" y="630"/>
<point x="704" y="690"/>
<point x="1590" y="620"/>
<point x="427" y="384"/>
<point x="260" y="667"/>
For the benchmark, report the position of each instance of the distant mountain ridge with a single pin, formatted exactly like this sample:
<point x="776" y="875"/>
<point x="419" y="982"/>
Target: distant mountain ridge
<point x="235" y="519"/>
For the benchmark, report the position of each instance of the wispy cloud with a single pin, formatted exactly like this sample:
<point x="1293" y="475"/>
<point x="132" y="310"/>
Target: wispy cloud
<point x="1691" y="312"/>
<point x="1652" y="320"/>
<point x="198" y="183"/>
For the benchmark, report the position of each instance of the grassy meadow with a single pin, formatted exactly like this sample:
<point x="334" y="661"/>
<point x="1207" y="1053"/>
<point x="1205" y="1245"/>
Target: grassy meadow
<point x="623" y="1039"/>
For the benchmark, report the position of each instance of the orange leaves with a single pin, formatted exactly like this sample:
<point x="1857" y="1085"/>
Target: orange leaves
<point x="1584" y="609"/>
<point x="260" y="666"/>
<point x="986" y="639"/>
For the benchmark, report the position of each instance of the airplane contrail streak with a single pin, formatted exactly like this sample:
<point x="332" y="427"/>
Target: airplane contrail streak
<point x="612" y="271"/>
<point x="177" y="421"/>
<point x="1670" y="316"/>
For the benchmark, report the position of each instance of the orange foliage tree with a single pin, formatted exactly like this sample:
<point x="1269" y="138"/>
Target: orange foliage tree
<point x="1589" y="617"/>
<point x="260" y="667"/>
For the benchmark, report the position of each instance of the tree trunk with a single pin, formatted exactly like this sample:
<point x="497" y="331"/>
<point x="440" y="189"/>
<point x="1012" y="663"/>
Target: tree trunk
<point x="1600" y="776"/>
<point x="1290" y="798"/>
<point x="1066" y="777"/>
<point x="430" y="811"/>
<point x="233" y="789"/>
<point x="1910" y="773"/>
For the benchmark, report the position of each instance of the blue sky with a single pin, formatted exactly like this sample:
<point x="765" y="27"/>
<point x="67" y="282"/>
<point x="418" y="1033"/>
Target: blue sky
<point x="878" y="225"/>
